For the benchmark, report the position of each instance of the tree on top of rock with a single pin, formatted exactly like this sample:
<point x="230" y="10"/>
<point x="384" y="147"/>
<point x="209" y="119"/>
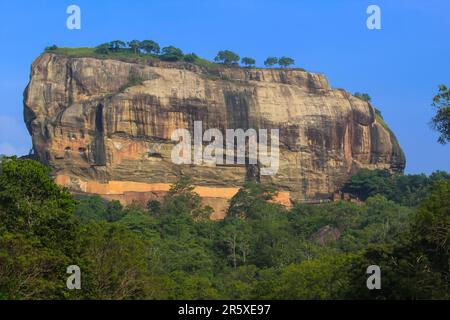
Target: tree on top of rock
<point x="363" y="96"/>
<point x="227" y="57"/>
<point x="271" y="61"/>
<point x="135" y="45"/>
<point x="286" y="61"/>
<point x="150" y="46"/>
<point x="171" y="53"/>
<point x="116" y="45"/>
<point x="248" y="62"/>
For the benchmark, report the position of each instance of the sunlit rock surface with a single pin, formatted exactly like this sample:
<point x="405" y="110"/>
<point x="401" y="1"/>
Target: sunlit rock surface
<point x="104" y="126"/>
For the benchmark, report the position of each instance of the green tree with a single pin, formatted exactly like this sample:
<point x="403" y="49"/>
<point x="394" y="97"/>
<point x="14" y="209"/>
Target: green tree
<point x="269" y="242"/>
<point x="191" y="57"/>
<point x="379" y="221"/>
<point x="114" y="211"/>
<point x="320" y="279"/>
<point x="367" y="182"/>
<point x="239" y="283"/>
<point x="431" y="229"/>
<point x="135" y="45"/>
<point x="116" y="45"/>
<point x="154" y="206"/>
<point x="285" y="62"/>
<point x="410" y="190"/>
<point x="272" y="246"/>
<point x="405" y="274"/>
<point x="103" y="48"/>
<point x="305" y="219"/>
<point x="91" y="208"/>
<point x="113" y="261"/>
<point x="145" y="226"/>
<point x="441" y="120"/>
<point x="227" y="57"/>
<point x="150" y="46"/>
<point x="29" y="270"/>
<point x="188" y="286"/>
<point x="271" y="61"/>
<point x="251" y="199"/>
<point x="171" y="53"/>
<point x="38" y="232"/>
<point x="182" y="199"/>
<point x="407" y="190"/>
<point x="248" y="62"/>
<point x="31" y="203"/>
<point x="235" y="234"/>
<point x="417" y="266"/>
<point x="94" y="209"/>
<point x="363" y="96"/>
<point x="51" y="48"/>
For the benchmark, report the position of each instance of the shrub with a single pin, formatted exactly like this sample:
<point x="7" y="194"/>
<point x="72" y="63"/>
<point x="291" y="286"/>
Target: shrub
<point x="171" y="53"/>
<point x="51" y="48"/>
<point x="191" y="57"/>
<point x="363" y="96"/>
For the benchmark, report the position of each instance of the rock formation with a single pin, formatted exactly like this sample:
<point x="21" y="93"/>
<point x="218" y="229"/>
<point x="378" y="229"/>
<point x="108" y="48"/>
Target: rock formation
<point x="325" y="235"/>
<point x="104" y="126"/>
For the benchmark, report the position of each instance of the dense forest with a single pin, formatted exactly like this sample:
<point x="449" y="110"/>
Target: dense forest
<point x="171" y="250"/>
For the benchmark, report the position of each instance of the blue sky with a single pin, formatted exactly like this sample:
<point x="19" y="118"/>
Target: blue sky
<point x="400" y="66"/>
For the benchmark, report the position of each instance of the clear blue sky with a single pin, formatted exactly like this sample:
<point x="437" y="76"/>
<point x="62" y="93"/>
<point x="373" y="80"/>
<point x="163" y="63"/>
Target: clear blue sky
<point x="400" y="66"/>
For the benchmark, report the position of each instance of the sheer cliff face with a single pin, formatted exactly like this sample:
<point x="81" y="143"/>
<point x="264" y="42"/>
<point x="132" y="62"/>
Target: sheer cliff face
<point x="105" y="132"/>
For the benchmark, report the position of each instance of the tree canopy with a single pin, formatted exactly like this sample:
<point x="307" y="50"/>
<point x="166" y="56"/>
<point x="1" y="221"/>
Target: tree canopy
<point x="441" y="120"/>
<point x="135" y="45"/>
<point x="271" y="61"/>
<point x="407" y="190"/>
<point x="171" y="53"/>
<point x="227" y="57"/>
<point x="285" y="62"/>
<point x="116" y="45"/>
<point x="363" y="96"/>
<point x="261" y="250"/>
<point x="150" y="46"/>
<point x="248" y="62"/>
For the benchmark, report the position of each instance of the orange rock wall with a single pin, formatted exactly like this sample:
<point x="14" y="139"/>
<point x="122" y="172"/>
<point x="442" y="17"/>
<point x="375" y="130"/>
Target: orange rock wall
<point x="128" y="192"/>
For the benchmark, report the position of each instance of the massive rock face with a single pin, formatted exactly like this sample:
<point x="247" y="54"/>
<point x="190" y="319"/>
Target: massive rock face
<point x="104" y="126"/>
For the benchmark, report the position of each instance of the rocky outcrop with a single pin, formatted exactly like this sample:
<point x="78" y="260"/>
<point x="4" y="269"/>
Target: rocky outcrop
<point x="104" y="126"/>
<point x="325" y="235"/>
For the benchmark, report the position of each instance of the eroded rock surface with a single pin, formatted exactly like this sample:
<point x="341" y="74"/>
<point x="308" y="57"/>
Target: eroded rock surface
<point x="105" y="126"/>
